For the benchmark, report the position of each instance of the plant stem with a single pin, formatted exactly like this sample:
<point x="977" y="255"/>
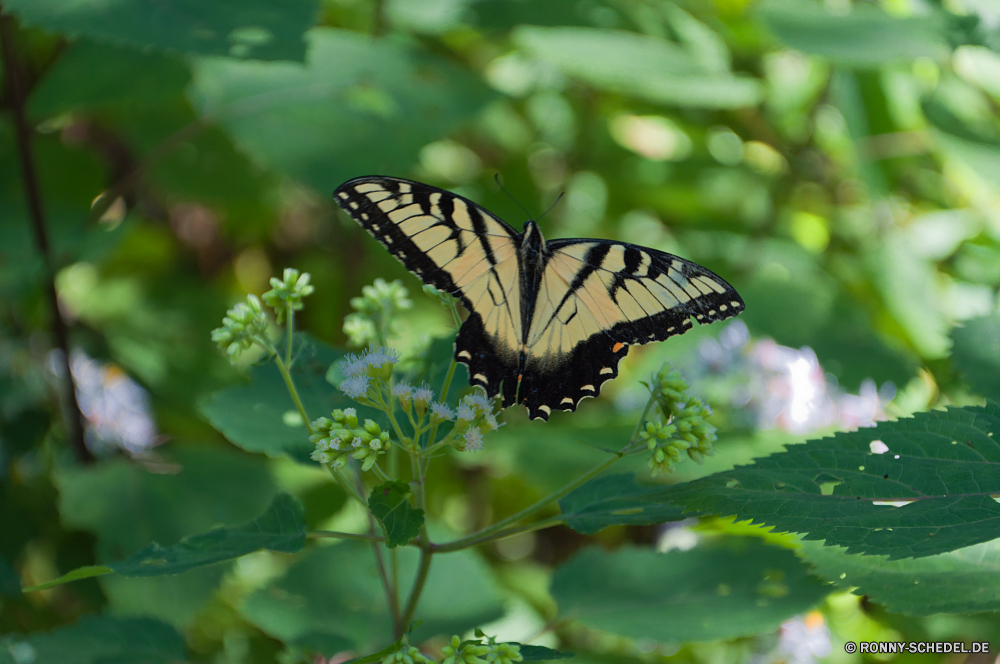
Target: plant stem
<point x="418" y="587"/>
<point x="34" y="199"/>
<point x="488" y="533"/>
<point x="289" y="331"/>
<point x="379" y="473"/>
<point x="292" y="392"/>
<point x="510" y="532"/>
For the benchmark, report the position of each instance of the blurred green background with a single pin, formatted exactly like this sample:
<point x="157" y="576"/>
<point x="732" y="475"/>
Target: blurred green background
<point x="837" y="162"/>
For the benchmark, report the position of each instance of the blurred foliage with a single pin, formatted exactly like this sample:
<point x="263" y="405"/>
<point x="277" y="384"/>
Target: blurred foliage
<point x="837" y="162"/>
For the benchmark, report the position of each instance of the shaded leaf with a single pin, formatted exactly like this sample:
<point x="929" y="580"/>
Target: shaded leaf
<point x="98" y="639"/>
<point x="257" y="29"/>
<point x="646" y="67"/>
<point x="942" y="464"/>
<point x="390" y="503"/>
<point x="541" y="653"/>
<point x="617" y="500"/>
<point x="339" y="586"/>
<point x="343" y="113"/>
<point x="323" y="643"/>
<point x="962" y="581"/>
<point x="732" y="588"/>
<point x="976" y="353"/>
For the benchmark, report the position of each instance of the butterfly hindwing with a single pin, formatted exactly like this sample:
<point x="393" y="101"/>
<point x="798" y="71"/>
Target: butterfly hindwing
<point x="594" y="300"/>
<point x="460" y="248"/>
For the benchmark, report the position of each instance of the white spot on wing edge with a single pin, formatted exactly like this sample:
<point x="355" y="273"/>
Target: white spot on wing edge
<point x="545" y="409"/>
<point x="566" y="400"/>
<point x="344" y="195"/>
<point x="589" y="388"/>
<point x="465" y="354"/>
<point x="482" y="378"/>
<point x="607" y="370"/>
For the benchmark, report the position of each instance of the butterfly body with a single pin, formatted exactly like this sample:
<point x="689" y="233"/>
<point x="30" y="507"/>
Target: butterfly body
<point x="548" y="320"/>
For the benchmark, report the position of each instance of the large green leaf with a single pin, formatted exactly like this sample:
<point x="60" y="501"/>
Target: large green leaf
<point x="261" y="416"/>
<point x="358" y="106"/>
<point x="976" y="353"/>
<point x="962" y="581"/>
<point x="97" y="640"/>
<point x="126" y="506"/>
<point x="646" y="67"/>
<point x="862" y="37"/>
<point x="940" y="466"/>
<point x="731" y="588"/>
<point x="337" y="587"/>
<point x="261" y="29"/>
<point x="617" y="500"/>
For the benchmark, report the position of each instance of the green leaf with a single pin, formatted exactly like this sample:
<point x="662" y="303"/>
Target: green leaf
<point x="360" y="105"/>
<point x="962" y="581"/>
<point x="261" y="416"/>
<point x="280" y="528"/>
<point x="976" y="353"/>
<point x="194" y="489"/>
<point x="390" y="503"/>
<point x="79" y="573"/>
<point x="257" y="29"/>
<point x="645" y="67"/>
<point x="323" y="643"/>
<point x="338" y="587"/>
<point x="541" y="653"/>
<point x="863" y="37"/>
<point x="93" y="75"/>
<point x="942" y="464"/>
<point x="735" y="587"/>
<point x="616" y="500"/>
<point x="98" y="640"/>
<point x="10" y="582"/>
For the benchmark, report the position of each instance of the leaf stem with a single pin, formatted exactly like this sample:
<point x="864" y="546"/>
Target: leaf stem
<point x="292" y="391"/>
<point x="510" y="532"/>
<point x="426" y="554"/>
<point x="320" y="534"/>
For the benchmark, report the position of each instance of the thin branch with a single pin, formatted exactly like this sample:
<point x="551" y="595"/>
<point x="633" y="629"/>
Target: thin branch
<point x="333" y="534"/>
<point x="16" y="94"/>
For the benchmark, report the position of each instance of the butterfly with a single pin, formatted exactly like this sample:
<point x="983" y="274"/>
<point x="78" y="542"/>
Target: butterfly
<point x="548" y="320"/>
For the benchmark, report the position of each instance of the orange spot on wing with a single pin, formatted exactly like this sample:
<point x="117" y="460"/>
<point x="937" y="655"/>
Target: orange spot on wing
<point x="617" y="347"/>
<point x="519" y="377"/>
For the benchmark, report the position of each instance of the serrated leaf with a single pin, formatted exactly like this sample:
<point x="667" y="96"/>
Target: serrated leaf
<point x="731" y="588"/>
<point x="962" y="581"/>
<point x="617" y="500"/>
<point x="390" y="503"/>
<point x="99" y="639"/>
<point x="941" y="464"/>
<point x="280" y="528"/>
<point x="257" y="29"/>
<point x="976" y="353"/>
<point x="541" y="653"/>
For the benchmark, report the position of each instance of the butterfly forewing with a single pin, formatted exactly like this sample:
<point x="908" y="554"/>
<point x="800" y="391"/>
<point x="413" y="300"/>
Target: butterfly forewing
<point x="458" y="247"/>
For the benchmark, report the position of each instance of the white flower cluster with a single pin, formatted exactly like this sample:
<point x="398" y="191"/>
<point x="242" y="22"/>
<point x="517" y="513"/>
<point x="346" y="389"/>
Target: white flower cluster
<point x="359" y="370"/>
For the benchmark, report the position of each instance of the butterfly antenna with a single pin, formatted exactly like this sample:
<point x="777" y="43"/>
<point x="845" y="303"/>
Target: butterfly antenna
<point x="496" y="177"/>
<point x="552" y="206"/>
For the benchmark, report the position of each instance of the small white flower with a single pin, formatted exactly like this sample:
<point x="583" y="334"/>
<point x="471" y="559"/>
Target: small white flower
<point x="320" y="456"/>
<point x="376" y="357"/>
<point x="491" y="422"/>
<point x="402" y="390"/>
<point x="479" y="402"/>
<point x="350" y="413"/>
<point x="355" y="386"/>
<point x="353" y="365"/>
<point x="442" y="411"/>
<point x="473" y="439"/>
<point x="375" y="445"/>
<point x="357" y="442"/>
<point x="423" y="394"/>
<point x="465" y="412"/>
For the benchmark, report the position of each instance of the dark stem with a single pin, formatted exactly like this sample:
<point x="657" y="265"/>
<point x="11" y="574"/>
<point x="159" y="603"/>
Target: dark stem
<point x="34" y="199"/>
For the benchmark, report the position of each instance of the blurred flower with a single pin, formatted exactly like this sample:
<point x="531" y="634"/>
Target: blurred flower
<point x="787" y="387"/>
<point x="115" y="408"/>
<point x="804" y="639"/>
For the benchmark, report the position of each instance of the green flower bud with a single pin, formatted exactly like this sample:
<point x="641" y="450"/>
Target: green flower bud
<point x="286" y="294"/>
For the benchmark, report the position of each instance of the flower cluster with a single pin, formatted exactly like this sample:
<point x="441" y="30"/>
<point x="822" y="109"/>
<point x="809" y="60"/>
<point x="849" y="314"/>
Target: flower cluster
<point x="286" y="294"/>
<point x="375" y="312"/>
<point x="359" y="371"/>
<point x="476" y="652"/>
<point x="243" y="325"/>
<point x="679" y="427"/>
<point x="341" y="438"/>
<point x="406" y="654"/>
<point x="474" y="414"/>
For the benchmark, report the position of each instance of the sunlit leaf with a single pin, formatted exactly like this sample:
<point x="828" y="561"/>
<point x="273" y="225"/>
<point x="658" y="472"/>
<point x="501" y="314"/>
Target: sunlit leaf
<point x="939" y="470"/>
<point x="724" y="590"/>
<point x="962" y="581"/>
